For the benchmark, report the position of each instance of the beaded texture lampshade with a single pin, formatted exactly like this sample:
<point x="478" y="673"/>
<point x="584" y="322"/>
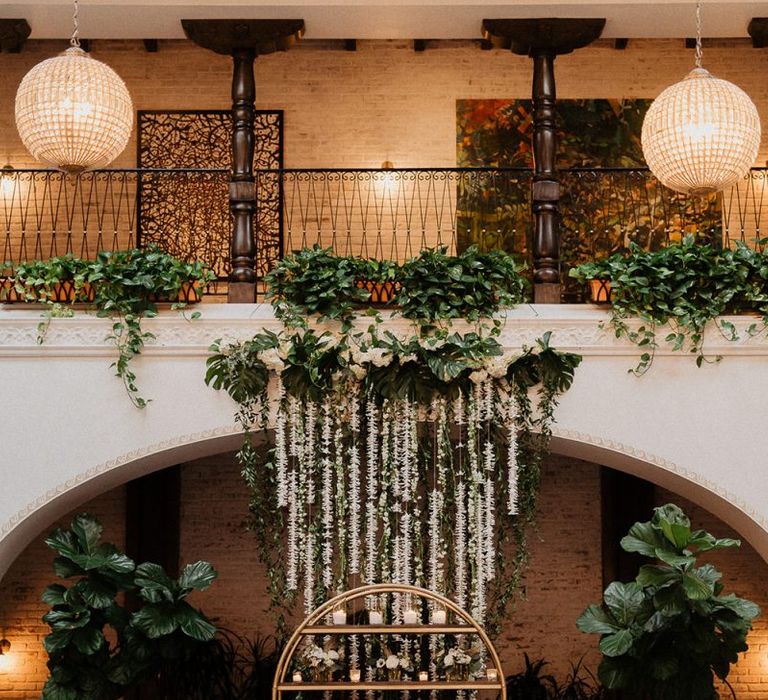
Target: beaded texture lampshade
<point x="701" y="135"/>
<point x="74" y="112"/>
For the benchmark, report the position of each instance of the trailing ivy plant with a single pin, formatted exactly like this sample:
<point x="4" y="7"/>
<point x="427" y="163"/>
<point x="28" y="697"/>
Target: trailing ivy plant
<point x="670" y="632"/>
<point x="686" y="286"/>
<point x="444" y="402"/>
<point x="83" y="660"/>
<point x="437" y="287"/>
<point x="124" y="286"/>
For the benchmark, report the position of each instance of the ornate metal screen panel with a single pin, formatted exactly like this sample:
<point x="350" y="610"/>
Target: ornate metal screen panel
<point x="190" y="217"/>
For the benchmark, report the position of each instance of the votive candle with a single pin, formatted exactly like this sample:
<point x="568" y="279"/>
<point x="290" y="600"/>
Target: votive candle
<point x="492" y="674"/>
<point x="339" y="616"/>
<point x="375" y="617"/>
<point x="423" y="676"/>
<point x="297" y="677"/>
<point x="410" y="617"/>
<point x="438" y="617"/>
<point x="354" y="675"/>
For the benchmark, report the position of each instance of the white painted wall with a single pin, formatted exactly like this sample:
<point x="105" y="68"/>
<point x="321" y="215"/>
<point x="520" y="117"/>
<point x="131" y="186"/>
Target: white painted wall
<point x="68" y="430"/>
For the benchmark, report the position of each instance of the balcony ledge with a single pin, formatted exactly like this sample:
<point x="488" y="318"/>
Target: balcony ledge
<point x="578" y="328"/>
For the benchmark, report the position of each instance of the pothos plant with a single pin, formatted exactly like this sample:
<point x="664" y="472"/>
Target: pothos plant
<point x="404" y="458"/>
<point x="124" y="286"/>
<point x="87" y="662"/>
<point x="671" y="631"/>
<point x="686" y="287"/>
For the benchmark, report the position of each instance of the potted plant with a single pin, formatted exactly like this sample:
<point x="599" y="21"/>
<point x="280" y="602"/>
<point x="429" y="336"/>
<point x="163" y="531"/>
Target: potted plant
<point x="85" y="661"/>
<point x="379" y="278"/>
<point x="58" y="280"/>
<point x="669" y="633"/>
<point x="596" y="276"/>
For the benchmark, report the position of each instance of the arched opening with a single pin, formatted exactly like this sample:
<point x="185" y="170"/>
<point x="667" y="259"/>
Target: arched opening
<point x="565" y="574"/>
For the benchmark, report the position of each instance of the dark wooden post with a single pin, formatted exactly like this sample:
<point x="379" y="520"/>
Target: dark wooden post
<point x="543" y="40"/>
<point x="244" y="40"/>
<point x="546" y="187"/>
<point x="242" y="188"/>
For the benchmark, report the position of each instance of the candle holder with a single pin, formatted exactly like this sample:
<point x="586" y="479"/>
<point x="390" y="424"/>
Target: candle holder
<point x="297" y="677"/>
<point x="492" y="674"/>
<point x="410" y="617"/>
<point x="423" y="676"/>
<point x="354" y="675"/>
<point x="339" y="616"/>
<point x="439" y="616"/>
<point x="375" y="614"/>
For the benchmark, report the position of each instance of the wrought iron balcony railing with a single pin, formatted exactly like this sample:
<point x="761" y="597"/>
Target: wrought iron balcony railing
<point x="372" y="213"/>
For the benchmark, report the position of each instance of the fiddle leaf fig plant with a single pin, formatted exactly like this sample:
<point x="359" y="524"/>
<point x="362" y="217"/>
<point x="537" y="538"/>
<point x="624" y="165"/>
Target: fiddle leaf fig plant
<point x="84" y="662"/>
<point x="669" y="633"/>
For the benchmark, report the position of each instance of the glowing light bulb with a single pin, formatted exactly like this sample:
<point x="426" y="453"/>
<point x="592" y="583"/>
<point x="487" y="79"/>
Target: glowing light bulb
<point x="7" y="182"/>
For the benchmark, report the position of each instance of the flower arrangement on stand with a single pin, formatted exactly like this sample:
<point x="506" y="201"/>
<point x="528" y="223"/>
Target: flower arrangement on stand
<point x="393" y="665"/>
<point x="459" y="663"/>
<point x="321" y="663"/>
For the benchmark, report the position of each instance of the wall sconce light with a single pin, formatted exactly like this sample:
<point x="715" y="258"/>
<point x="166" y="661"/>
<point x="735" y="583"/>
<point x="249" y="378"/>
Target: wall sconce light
<point x="386" y="181"/>
<point x="7" y="184"/>
<point x="5" y="648"/>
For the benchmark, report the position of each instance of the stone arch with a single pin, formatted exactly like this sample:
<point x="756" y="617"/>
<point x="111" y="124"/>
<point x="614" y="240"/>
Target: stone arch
<point x="27" y="524"/>
<point x="751" y="526"/>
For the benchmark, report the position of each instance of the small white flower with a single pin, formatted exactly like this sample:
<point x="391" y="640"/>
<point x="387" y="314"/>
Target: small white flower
<point x="333" y="654"/>
<point x="405" y="663"/>
<point x="380" y="663"/>
<point x="448" y="659"/>
<point x="358" y="371"/>
<point x="497" y="366"/>
<point x="408" y="358"/>
<point x="392" y="661"/>
<point x="379" y="357"/>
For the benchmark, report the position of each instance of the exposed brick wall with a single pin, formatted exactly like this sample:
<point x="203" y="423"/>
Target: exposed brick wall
<point x="21" y="609"/>
<point x="383" y="101"/>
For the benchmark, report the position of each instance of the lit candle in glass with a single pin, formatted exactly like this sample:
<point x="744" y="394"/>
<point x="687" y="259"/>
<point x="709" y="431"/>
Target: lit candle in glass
<point x="354" y="675"/>
<point x="410" y="617"/>
<point x="297" y="677"/>
<point x="375" y="617"/>
<point x="423" y="676"/>
<point x="339" y="616"/>
<point x="492" y="674"/>
<point x="438" y="616"/>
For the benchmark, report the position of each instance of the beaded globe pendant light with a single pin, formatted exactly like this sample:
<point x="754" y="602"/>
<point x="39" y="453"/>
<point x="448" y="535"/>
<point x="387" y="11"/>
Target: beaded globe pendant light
<point x="701" y="135"/>
<point x="73" y="111"/>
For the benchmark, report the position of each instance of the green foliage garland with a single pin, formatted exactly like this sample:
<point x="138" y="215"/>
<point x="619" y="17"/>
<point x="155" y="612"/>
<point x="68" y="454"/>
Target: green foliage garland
<point x="686" y="286"/>
<point x="378" y="431"/>
<point x="124" y="286"/>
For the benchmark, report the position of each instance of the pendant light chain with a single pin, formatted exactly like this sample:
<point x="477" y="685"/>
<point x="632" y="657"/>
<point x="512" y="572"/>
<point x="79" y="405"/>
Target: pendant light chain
<point x="698" y="33"/>
<point x="75" y="40"/>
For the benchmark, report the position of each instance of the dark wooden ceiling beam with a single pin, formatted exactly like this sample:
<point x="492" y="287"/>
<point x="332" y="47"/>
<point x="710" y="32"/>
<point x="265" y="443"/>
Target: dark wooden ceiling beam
<point x="13" y="34"/>
<point x="620" y="44"/>
<point x="350" y="44"/>
<point x="86" y="45"/>
<point x="227" y="36"/>
<point x="419" y="45"/>
<point x="151" y="45"/>
<point x="527" y="37"/>
<point x="758" y="30"/>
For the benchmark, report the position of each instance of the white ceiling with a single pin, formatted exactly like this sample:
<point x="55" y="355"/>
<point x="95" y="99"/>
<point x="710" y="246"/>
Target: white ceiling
<point x="379" y="19"/>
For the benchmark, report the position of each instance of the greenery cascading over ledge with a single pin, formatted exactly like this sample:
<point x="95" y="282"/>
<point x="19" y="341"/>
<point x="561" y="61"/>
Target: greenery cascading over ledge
<point x="405" y="458"/>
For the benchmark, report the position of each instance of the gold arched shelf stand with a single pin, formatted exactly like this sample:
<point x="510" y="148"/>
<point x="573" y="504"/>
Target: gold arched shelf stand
<point x="313" y="625"/>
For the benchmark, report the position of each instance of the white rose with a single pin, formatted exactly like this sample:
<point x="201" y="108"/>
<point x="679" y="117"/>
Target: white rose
<point x="358" y="371"/>
<point x="497" y="367"/>
<point x="404" y="663"/>
<point x="478" y="376"/>
<point x="380" y="357"/>
<point x="408" y="358"/>
<point x="272" y="360"/>
<point x="392" y="662"/>
<point x="379" y="663"/>
<point x="448" y="660"/>
<point x="333" y="654"/>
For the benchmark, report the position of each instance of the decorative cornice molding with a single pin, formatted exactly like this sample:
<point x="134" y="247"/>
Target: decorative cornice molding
<point x="574" y="328"/>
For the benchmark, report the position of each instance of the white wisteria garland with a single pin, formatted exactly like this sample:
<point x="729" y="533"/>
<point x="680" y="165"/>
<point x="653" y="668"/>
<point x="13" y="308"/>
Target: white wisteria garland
<point x="373" y="487"/>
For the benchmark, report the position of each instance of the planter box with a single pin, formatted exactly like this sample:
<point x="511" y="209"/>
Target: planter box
<point x="600" y="291"/>
<point x="61" y="293"/>
<point x="381" y="292"/>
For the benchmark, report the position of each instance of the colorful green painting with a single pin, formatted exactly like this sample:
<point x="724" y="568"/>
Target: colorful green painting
<point x="601" y="210"/>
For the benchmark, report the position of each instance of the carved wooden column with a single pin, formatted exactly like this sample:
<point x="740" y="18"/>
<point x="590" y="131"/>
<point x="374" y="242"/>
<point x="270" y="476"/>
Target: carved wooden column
<point x="244" y="40"/>
<point x="543" y="40"/>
